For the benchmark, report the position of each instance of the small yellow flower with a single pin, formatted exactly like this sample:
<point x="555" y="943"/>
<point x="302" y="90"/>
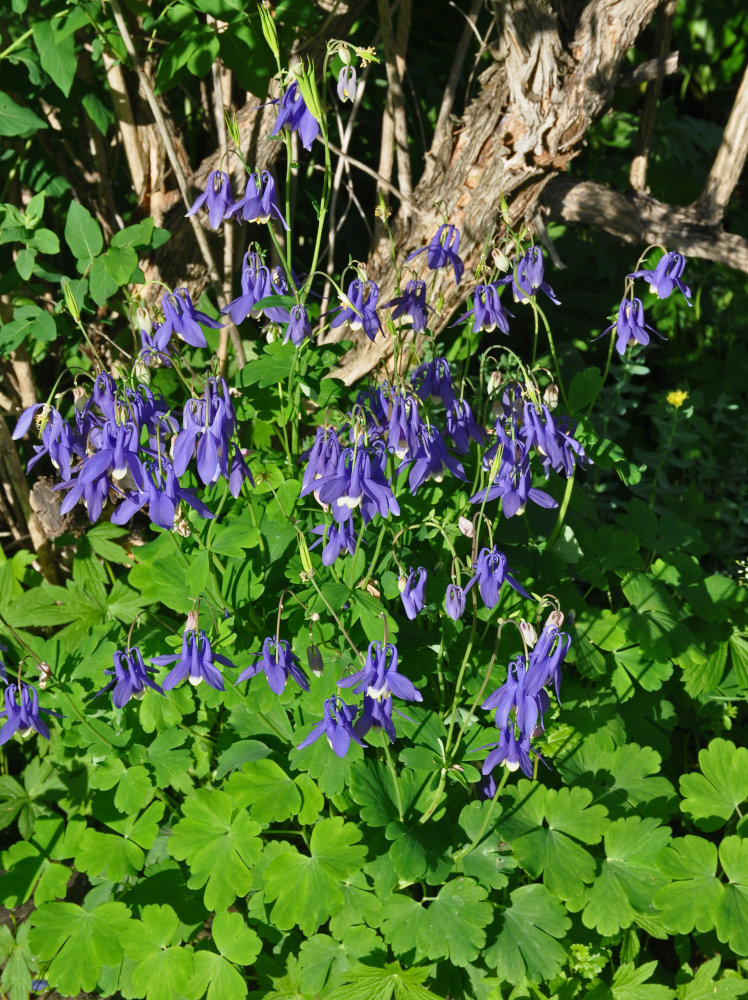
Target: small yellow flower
<point x="378" y="212"/>
<point x="677" y="398"/>
<point x="367" y="55"/>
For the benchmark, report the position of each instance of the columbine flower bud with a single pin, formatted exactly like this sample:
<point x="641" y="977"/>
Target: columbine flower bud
<point x="142" y="371"/>
<point x="144" y="320"/>
<point x="118" y="370"/>
<point x="45" y="674"/>
<point x="500" y="259"/>
<point x="80" y="397"/>
<point x="528" y="633"/>
<point x="192" y="622"/>
<point x="402" y="581"/>
<point x="314" y="659"/>
<point x="466" y="527"/>
<point x="550" y="396"/>
<point x="494" y="382"/>
<point x="555" y="619"/>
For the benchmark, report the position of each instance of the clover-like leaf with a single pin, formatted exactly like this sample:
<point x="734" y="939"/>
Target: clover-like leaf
<point x="306" y="888"/>
<point x="527" y="944"/>
<point x="545" y="828"/>
<point x="629" y="876"/>
<point x="162" y="969"/>
<point x="79" y="942"/>
<point x="712" y="797"/>
<point x="324" y="961"/>
<point x="693" y="896"/>
<point x="732" y="914"/>
<point x="216" y="975"/>
<point x="235" y="941"/>
<point x="622" y="779"/>
<point x="266" y="790"/>
<point x="703" y="986"/>
<point x="219" y="847"/>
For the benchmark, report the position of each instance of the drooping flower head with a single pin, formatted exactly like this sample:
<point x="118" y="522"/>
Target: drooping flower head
<point x="410" y="305"/>
<point x="337" y="725"/>
<point x="299" y="328"/>
<point x="294" y="115"/>
<point x="490" y="573"/>
<point x="347" y="83"/>
<point x="130" y="677"/>
<point x="358" y="308"/>
<point x="442" y="251"/>
<point x="413" y="592"/>
<point x="488" y="311"/>
<point x="379" y="681"/>
<point x="23" y="718"/>
<point x="260" y="201"/>
<point x="195" y="662"/>
<point x="279" y="662"/>
<point x="218" y="195"/>
<point x="666" y="277"/>
<point x="454" y="602"/>
<point x="630" y="326"/>
<point x="181" y="317"/>
<point x="528" y="277"/>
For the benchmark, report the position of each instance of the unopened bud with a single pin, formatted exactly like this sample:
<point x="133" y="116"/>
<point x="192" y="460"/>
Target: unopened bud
<point x="555" y="619"/>
<point x="528" y="633"/>
<point x="345" y="55"/>
<point x="500" y="259"/>
<point x="192" y="622"/>
<point x="550" y="396"/>
<point x="494" y="381"/>
<point x="142" y="371"/>
<point x="45" y="674"/>
<point x="70" y="301"/>
<point x="80" y="397"/>
<point x="118" y="370"/>
<point x="402" y="582"/>
<point x="182" y="528"/>
<point x="466" y="527"/>
<point x="314" y="659"/>
<point x="143" y="317"/>
<point x="268" y="28"/>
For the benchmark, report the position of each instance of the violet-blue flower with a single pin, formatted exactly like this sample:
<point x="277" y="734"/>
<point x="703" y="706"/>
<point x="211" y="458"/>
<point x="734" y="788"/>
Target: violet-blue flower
<point x="26" y="717"/>
<point x="666" y="276"/>
<point x="338" y="537"/>
<point x="130" y="677"/>
<point x="294" y="115"/>
<point x="509" y="751"/>
<point x="337" y="726"/>
<point x="528" y="277"/>
<point x="430" y="460"/>
<point x="181" y="317"/>
<point x="411" y="305"/>
<point x="442" y="251"/>
<point x="413" y="592"/>
<point x="433" y="380"/>
<point x="218" y="195"/>
<point x="299" y="328"/>
<point x="454" y="602"/>
<point x="462" y="426"/>
<point x="358" y="308"/>
<point x="259" y="201"/>
<point x="347" y="83"/>
<point x="162" y="493"/>
<point x="630" y="326"/>
<point x="379" y="681"/>
<point x="488" y="312"/>
<point x="490" y="573"/>
<point x="195" y="662"/>
<point x="279" y="662"/>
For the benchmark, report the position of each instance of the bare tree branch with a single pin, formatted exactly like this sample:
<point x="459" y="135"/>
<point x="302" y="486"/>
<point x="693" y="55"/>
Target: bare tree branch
<point x="639" y="218"/>
<point x="649" y="70"/>
<point x="730" y="159"/>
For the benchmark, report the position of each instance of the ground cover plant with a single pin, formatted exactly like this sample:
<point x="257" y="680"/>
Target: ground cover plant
<point x="421" y="679"/>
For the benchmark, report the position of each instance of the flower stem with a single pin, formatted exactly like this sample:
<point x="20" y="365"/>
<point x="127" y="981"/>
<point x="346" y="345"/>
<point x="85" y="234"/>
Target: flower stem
<point x="476" y="839"/>
<point x="398" y="793"/>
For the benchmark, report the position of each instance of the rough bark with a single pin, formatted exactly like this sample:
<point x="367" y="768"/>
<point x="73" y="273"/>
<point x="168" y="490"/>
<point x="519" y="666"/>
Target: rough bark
<point x="554" y="72"/>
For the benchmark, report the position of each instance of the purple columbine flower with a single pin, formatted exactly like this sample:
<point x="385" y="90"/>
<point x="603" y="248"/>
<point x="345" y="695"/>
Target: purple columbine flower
<point x="431" y="459"/>
<point x="488" y="312"/>
<point x="433" y="380"/>
<point x="513" y="487"/>
<point x="411" y="305"/>
<point x="454" y="602"/>
<point x="510" y="752"/>
<point x="379" y="681"/>
<point x="666" y="277"/>
<point x="403" y="421"/>
<point x="162" y="493"/>
<point x="323" y="459"/>
<point x="442" y="251"/>
<point x="181" y="317"/>
<point x="57" y="437"/>
<point x="259" y="201"/>
<point x="338" y="538"/>
<point x="195" y="662"/>
<point x="26" y="717"/>
<point x="299" y="328"/>
<point x="358" y="480"/>
<point x="130" y="677"/>
<point x="218" y="195"/>
<point x="208" y="424"/>
<point x="513" y="696"/>
<point x="413" y="592"/>
<point x="337" y="725"/>
<point x="347" y="84"/>
<point x="490" y="573"/>
<point x="630" y="326"/>
<point x="116" y="454"/>
<point x="279" y="663"/>
<point x="294" y="115"/>
<point x="546" y="658"/>
<point x="528" y="277"/>
<point x="359" y="308"/>
<point x="462" y="426"/>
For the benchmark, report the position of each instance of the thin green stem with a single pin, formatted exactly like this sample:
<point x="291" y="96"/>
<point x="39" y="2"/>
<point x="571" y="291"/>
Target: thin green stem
<point x="605" y="373"/>
<point x="377" y="550"/>
<point x="337" y="620"/>
<point x="562" y="510"/>
<point x="398" y="793"/>
<point x="460" y="676"/>
<point x="476" y="839"/>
